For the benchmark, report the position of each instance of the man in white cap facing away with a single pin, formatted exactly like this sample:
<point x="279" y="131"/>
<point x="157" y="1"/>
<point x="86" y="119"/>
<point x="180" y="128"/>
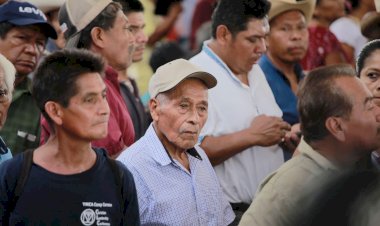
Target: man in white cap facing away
<point x="175" y="182"/>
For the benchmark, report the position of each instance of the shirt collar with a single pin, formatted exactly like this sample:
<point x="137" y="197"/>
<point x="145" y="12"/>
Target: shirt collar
<point x="297" y="69"/>
<point x="323" y="162"/>
<point x="160" y="154"/>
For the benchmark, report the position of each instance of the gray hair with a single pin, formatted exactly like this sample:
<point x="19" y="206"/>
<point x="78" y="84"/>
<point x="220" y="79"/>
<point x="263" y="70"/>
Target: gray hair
<point x="9" y="72"/>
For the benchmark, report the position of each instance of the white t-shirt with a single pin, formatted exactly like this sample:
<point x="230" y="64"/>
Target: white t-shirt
<point x="348" y="31"/>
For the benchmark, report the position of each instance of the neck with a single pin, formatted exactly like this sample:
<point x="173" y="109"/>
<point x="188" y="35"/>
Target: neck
<point x="335" y="153"/>
<point x="65" y="156"/>
<point x="320" y="22"/>
<point x="122" y="75"/>
<point x="174" y="151"/>
<point x="218" y="50"/>
<point x="19" y="79"/>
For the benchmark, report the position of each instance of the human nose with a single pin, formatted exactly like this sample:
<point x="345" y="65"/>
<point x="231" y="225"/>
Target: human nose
<point x="104" y="108"/>
<point x="194" y="116"/>
<point x="32" y="48"/>
<point x="141" y="37"/>
<point x="261" y="46"/>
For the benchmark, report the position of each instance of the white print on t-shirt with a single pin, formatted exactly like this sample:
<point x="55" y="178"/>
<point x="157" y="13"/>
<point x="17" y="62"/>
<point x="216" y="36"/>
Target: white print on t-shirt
<point x="90" y="216"/>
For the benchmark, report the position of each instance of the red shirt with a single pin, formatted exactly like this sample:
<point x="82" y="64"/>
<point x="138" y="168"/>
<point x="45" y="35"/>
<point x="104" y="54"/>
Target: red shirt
<point x="120" y="127"/>
<point x="321" y="42"/>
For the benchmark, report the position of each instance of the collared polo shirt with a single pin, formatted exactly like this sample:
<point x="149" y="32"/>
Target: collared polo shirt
<point x="232" y="108"/>
<point x="281" y="89"/>
<point x="288" y="192"/>
<point x="168" y="194"/>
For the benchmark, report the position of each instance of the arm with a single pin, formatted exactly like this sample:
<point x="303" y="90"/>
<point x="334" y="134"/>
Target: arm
<point x="164" y="27"/>
<point x="131" y="210"/>
<point x="264" y="131"/>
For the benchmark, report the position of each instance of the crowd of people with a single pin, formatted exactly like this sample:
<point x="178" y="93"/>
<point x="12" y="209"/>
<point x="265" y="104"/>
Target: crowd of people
<point x="260" y="112"/>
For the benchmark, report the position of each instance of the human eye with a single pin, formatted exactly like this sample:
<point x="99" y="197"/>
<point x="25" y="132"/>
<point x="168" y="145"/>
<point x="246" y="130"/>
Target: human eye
<point x="373" y="75"/>
<point x="3" y="94"/>
<point x="89" y="100"/>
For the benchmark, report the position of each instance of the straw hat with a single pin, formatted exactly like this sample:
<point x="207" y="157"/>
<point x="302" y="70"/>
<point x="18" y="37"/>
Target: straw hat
<point x="281" y="6"/>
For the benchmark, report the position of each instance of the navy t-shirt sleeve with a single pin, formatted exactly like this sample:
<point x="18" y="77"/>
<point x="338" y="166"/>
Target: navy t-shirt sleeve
<point x="131" y="208"/>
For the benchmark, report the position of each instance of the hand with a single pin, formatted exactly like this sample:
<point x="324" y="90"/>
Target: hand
<point x="292" y="138"/>
<point x="267" y="130"/>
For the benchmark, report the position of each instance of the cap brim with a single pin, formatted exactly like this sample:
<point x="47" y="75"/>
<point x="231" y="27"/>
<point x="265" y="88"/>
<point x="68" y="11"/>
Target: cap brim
<point x="370" y="26"/>
<point x="47" y="29"/>
<point x="209" y="80"/>
<point x="72" y="42"/>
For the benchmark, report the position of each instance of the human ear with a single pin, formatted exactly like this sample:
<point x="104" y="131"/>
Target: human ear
<point x="54" y="110"/>
<point x="223" y="34"/>
<point x="336" y="127"/>
<point x="154" y="108"/>
<point x="97" y="36"/>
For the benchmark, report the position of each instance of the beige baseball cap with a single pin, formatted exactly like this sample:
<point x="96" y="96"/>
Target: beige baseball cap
<point x="75" y="15"/>
<point x="171" y="74"/>
<point x="281" y="6"/>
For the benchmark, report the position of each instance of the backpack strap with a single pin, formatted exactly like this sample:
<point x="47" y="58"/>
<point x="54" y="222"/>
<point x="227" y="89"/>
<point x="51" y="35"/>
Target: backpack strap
<point x="119" y="179"/>
<point x="23" y="177"/>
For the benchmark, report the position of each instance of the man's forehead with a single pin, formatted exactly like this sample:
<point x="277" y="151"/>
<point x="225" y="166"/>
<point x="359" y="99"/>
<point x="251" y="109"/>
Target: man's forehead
<point x="33" y="29"/>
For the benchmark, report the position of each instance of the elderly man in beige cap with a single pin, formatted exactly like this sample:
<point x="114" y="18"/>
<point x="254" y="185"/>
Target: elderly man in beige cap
<point x="175" y="182"/>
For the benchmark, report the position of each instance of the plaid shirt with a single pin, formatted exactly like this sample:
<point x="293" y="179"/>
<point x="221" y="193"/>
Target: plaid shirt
<point x="22" y="127"/>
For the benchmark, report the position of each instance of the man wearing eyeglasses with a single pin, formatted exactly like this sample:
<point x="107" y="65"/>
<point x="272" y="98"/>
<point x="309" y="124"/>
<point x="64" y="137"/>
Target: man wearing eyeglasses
<point x="23" y="35"/>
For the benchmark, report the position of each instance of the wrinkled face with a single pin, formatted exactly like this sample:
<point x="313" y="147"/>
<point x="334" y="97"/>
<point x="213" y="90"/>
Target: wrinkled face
<point x="362" y="128"/>
<point x="180" y="115"/>
<point x="288" y="38"/>
<point x="119" y="43"/>
<point x="5" y="98"/>
<point x="370" y="75"/>
<point x="137" y="22"/>
<point x="245" y="49"/>
<point x="23" y="46"/>
<point x="86" y="116"/>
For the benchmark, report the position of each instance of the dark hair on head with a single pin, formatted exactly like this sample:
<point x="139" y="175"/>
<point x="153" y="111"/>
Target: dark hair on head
<point x="104" y="20"/>
<point x="354" y="3"/>
<point x="235" y="14"/>
<point x="366" y="52"/>
<point x="130" y="6"/>
<point x="320" y="97"/>
<point x="56" y="76"/>
<point x="5" y="27"/>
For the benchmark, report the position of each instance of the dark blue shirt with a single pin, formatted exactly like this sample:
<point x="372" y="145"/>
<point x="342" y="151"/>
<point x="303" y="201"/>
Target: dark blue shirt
<point x="87" y="198"/>
<point x="281" y="89"/>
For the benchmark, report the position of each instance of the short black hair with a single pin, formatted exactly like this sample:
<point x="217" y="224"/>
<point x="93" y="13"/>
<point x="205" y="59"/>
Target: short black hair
<point x="130" y="6"/>
<point x="235" y="14"/>
<point x="320" y="97"/>
<point x="56" y="76"/>
<point x="104" y="20"/>
<point x="366" y="52"/>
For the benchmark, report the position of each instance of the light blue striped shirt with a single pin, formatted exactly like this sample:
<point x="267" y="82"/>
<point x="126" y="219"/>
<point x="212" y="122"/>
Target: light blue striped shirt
<point x="170" y="195"/>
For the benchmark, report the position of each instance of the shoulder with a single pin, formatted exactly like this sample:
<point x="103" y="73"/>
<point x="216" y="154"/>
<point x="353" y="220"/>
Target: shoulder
<point x="11" y="169"/>
<point x="135" y="154"/>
